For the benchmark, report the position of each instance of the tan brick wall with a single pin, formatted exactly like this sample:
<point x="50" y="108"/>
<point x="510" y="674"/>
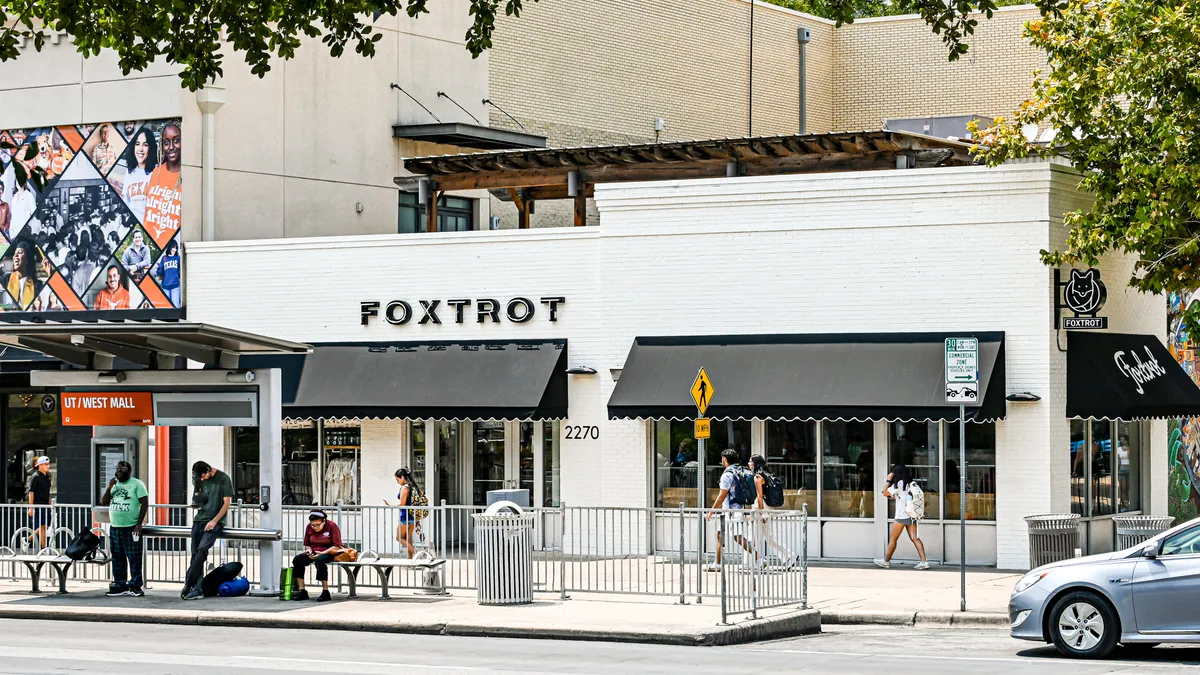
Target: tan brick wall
<point x="897" y="67"/>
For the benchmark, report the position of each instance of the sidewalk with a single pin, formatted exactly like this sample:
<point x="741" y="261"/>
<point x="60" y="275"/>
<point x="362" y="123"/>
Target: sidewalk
<point x="904" y="596"/>
<point x="654" y="620"/>
<point x="858" y="594"/>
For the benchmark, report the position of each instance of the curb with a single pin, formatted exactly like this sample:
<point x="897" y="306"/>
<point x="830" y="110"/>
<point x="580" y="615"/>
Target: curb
<point x="800" y="622"/>
<point x="998" y="620"/>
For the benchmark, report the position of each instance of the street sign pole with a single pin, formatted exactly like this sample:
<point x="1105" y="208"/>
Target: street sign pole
<point x="962" y="385"/>
<point x="962" y="504"/>
<point x="702" y="393"/>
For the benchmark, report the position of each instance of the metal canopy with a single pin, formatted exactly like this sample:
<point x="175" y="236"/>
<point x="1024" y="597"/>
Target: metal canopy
<point x="468" y="136"/>
<point x="851" y="376"/>
<point x="151" y="344"/>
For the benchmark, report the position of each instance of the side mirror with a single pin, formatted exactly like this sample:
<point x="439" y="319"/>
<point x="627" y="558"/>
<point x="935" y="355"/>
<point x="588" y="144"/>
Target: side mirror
<point x="1150" y="550"/>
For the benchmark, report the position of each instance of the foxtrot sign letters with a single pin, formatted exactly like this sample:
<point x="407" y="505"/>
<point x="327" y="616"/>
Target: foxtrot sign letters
<point x="1084" y="294"/>
<point x="486" y="310"/>
<point x="116" y="409"/>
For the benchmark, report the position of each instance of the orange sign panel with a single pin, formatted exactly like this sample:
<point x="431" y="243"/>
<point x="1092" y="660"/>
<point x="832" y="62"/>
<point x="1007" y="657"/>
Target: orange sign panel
<point x="103" y="408"/>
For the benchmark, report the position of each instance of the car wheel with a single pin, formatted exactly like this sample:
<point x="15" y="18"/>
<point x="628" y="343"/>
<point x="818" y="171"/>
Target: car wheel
<point x="1084" y="626"/>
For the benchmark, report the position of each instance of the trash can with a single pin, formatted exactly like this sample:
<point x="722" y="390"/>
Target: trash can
<point x="504" y="555"/>
<point x="1133" y="530"/>
<point x="1052" y="537"/>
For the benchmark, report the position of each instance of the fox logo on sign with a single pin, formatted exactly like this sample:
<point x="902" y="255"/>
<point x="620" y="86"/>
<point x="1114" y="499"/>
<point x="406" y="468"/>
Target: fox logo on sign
<point x="1085" y="292"/>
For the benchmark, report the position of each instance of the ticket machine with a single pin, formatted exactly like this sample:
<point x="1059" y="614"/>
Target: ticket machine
<point x="106" y="453"/>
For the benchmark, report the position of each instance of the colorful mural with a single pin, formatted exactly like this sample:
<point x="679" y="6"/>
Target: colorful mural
<point x="103" y="233"/>
<point x="1183" y="440"/>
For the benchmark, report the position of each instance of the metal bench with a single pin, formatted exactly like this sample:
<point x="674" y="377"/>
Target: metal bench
<point x="61" y="564"/>
<point x="433" y="581"/>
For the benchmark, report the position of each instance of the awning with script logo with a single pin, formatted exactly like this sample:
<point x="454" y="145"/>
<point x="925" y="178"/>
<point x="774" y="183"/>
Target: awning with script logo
<point x="1120" y="376"/>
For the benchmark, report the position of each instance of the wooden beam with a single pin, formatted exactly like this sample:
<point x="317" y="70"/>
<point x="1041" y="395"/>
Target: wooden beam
<point x="431" y="215"/>
<point x="580" y="210"/>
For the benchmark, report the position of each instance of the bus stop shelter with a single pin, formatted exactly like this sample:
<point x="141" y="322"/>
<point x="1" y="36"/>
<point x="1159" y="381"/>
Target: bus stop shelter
<point x="191" y="375"/>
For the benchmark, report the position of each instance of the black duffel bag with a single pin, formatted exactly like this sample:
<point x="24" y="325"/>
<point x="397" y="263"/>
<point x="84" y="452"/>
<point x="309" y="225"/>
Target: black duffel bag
<point x="211" y="584"/>
<point x="83" y="546"/>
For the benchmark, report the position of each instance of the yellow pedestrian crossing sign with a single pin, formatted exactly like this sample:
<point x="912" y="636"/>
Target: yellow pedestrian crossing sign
<point x="702" y="392"/>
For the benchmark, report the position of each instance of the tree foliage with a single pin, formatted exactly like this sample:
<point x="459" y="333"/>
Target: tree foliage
<point x="191" y="34"/>
<point x="1123" y="88"/>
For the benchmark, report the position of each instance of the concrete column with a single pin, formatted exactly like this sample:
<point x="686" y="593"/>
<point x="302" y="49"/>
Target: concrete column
<point x="210" y="100"/>
<point x="270" y="473"/>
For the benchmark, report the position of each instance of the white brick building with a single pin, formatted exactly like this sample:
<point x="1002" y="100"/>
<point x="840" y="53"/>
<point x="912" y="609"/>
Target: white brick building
<point x="945" y="250"/>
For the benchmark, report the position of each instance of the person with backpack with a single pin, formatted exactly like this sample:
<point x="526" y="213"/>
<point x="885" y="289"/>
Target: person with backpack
<point x="910" y="508"/>
<point x="408" y="516"/>
<point x="737" y="493"/>
<point x="769" y="497"/>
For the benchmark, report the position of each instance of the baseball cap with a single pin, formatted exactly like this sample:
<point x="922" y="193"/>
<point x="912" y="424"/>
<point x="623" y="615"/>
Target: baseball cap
<point x="41" y="460"/>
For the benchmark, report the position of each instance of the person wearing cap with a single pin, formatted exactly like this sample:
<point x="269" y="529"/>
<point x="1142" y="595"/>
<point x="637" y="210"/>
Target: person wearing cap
<point x="322" y="543"/>
<point x="39" y="496"/>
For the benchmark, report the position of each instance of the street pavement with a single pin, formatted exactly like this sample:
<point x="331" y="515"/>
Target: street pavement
<point x="42" y="647"/>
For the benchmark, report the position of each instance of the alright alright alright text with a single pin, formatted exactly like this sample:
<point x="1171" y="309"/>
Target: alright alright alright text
<point x="483" y="310"/>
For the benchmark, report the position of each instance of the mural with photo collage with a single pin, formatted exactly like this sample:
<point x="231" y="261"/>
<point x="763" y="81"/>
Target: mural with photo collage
<point x="1183" y="440"/>
<point x="103" y="234"/>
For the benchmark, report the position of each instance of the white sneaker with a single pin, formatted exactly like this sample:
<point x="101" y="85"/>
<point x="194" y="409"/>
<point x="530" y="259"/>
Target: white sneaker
<point x="712" y="567"/>
<point x="880" y="562"/>
<point x="923" y="565"/>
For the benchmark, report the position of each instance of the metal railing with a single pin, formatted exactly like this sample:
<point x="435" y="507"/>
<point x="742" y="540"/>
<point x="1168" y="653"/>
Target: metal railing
<point x="611" y="550"/>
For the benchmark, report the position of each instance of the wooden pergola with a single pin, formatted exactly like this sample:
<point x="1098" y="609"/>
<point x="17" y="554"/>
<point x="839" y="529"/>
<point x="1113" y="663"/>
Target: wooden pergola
<point x="528" y="176"/>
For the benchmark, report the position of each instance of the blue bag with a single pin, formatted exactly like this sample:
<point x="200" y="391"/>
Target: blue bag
<point x="232" y="589"/>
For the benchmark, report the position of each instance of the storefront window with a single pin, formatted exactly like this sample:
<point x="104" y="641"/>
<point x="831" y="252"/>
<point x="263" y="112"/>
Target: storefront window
<point x="915" y="444"/>
<point x="674" y="464"/>
<point x="848" y="473"/>
<point x="1103" y="490"/>
<point x="525" y="459"/>
<point x="792" y="455"/>
<point x="488" y="459"/>
<point x="447" y="462"/>
<point x="416" y="441"/>
<point x="981" y="471"/>
<point x="342" y="454"/>
<point x="1129" y="462"/>
<point x="31" y="433"/>
<point x="1079" y="467"/>
<point x="301" y="480"/>
<point x="726" y="434"/>
<point x="551" y="467"/>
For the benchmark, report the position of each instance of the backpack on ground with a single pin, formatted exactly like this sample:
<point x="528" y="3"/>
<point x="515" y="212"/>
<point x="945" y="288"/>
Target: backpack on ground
<point x="772" y="490"/>
<point x="83" y="546"/>
<point x="745" y="492"/>
<point x="232" y="589"/>
<point x="211" y="583"/>
<point x="916" y="501"/>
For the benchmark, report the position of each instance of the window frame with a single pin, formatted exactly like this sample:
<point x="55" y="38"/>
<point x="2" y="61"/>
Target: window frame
<point x="1135" y="471"/>
<point x="446" y="210"/>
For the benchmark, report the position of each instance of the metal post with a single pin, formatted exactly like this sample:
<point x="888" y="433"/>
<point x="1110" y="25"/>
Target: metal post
<point x="700" y="457"/>
<point x="562" y="551"/>
<point x="270" y="463"/>
<point x="682" y="567"/>
<point x="804" y="556"/>
<point x="724" y="601"/>
<point x="962" y="504"/>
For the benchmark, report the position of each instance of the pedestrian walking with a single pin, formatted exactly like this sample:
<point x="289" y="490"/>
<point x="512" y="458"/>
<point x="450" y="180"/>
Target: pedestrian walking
<point x="769" y="497"/>
<point x="322" y="543"/>
<point x="39" y="499"/>
<point x="128" y="502"/>
<point x="408" y="517"/>
<point x="737" y="492"/>
<point x="901" y="488"/>
<point x="213" y="491"/>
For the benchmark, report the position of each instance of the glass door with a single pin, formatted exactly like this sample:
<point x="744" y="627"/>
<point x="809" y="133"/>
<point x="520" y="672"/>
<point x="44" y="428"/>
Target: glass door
<point x="524" y="473"/>
<point x="488" y="460"/>
<point x="447" y="453"/>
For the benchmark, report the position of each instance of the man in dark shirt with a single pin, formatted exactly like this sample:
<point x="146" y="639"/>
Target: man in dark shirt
<point x="213" y="493"/>
<point x="39" y="499"/>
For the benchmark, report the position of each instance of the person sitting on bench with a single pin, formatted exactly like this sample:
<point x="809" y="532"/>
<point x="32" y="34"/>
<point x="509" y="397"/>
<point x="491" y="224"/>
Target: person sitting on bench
<point x="322" y="543"/>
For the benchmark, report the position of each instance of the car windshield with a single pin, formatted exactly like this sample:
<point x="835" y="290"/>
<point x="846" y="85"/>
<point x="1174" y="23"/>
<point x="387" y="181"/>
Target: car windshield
<point x="1183" y="543"/>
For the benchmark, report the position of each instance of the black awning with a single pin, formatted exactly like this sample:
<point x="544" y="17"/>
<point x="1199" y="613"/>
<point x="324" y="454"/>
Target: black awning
<point x="469" y="136"/>
<point x="836" y="377"/>
<point x="1126" y="377"/>
<point x="407" y="380"/>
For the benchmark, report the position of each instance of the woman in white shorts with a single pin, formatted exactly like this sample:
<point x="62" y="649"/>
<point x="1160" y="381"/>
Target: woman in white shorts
<point x="897" y="488"/>
<point x="758" y="466"/>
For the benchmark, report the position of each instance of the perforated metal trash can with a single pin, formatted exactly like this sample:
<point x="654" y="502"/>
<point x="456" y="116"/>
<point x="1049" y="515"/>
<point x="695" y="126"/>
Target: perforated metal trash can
<point x="504" y="558"/>
<point x="1133" y="530"/>
<point x="1052" y="537"/>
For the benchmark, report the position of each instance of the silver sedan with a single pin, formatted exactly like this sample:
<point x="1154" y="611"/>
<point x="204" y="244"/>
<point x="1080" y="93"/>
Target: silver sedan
<point x="1139" y="597"/>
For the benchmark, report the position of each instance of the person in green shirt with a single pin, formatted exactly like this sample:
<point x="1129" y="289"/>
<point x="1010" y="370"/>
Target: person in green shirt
<point x="213" y="492"/>
<point x="127" y="502"/>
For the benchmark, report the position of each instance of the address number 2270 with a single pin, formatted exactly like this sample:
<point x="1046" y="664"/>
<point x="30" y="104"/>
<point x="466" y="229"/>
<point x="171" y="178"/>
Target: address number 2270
<point x="575" y="433"/>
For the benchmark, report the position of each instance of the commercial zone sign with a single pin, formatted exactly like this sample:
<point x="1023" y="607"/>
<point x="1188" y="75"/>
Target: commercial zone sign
<point x="102" y="235"/>
<point x="962" y="370"/>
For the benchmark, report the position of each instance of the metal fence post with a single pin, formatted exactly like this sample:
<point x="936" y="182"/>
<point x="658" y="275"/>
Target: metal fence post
<point x="682" y="566"/>
<point x="724" y="598"/>
<point x="562" y="552"/>
<point x="804" y="556"/>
